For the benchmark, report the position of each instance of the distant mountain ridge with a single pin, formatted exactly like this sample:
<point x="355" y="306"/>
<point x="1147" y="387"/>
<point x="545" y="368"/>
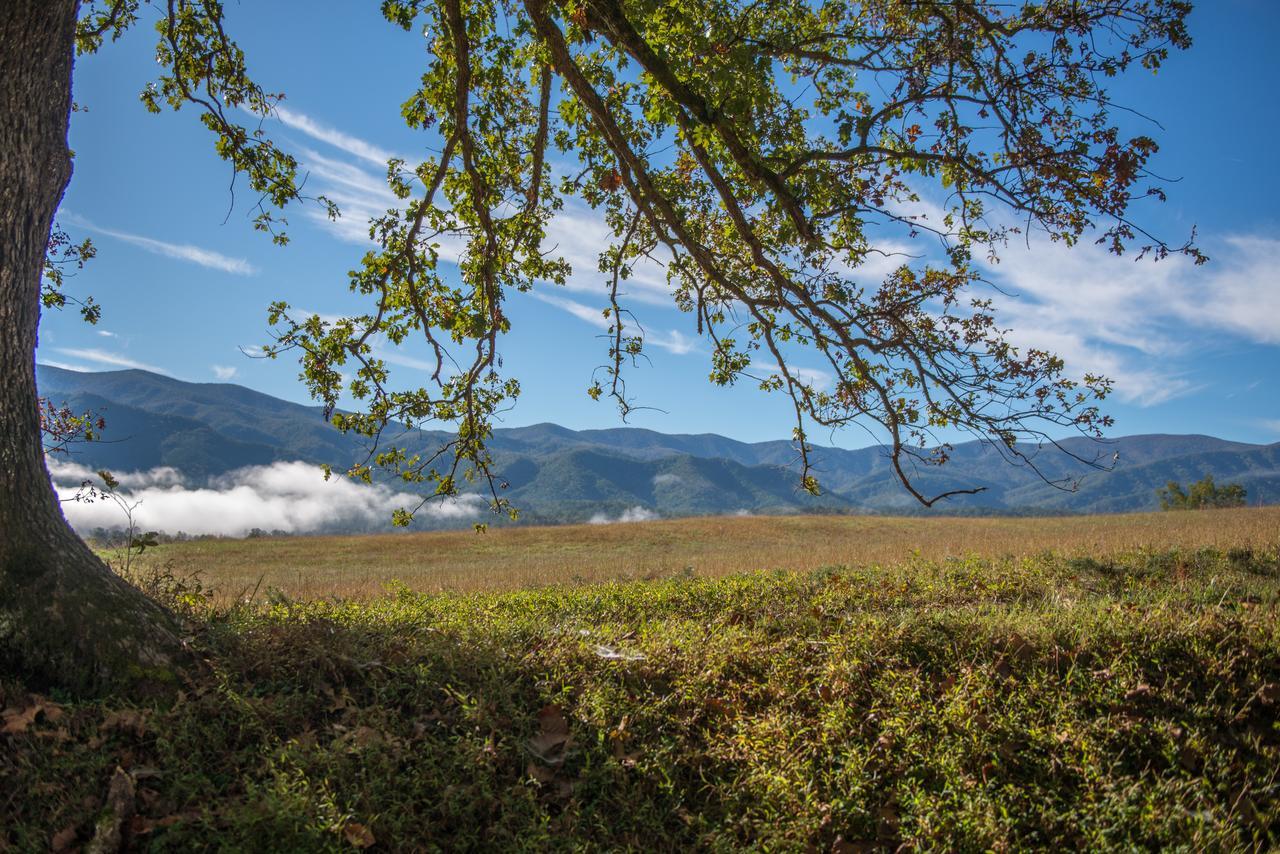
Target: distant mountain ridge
<point x="556" y="474"/>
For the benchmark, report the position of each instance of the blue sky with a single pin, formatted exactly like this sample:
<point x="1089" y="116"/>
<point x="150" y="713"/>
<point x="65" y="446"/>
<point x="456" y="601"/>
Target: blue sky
<point x="185" y="281"/>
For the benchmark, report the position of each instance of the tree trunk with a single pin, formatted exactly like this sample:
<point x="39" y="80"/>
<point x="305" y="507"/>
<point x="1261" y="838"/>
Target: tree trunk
<point x="66" y="620"/>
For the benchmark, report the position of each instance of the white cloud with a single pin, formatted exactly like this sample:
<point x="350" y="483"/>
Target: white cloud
<point x="224" y="372"/>
<point x="1138" y="323"/>
<point x="180" y="251"/>
<point x="819" y="379"/>
<point x="578" y="234"/>
<point x="355" y="146"/>
<point x="1242" y="293"/>
<point x="66" y="366"/>
<point x="667" y="479"/>
<point x="287" y="496"/>
<point x="105" y="334"/>
<point x="103" y="357"/>
<point x="359" y="194"/>
<point x="632" y="514"/>
<point x="585" y="313"/>
<point x="671" y="340"/>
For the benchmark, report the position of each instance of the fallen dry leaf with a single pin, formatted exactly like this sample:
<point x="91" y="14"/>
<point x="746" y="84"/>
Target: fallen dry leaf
<point x="63" y="839"/>
<point x="358" y="836"/>
<point x="1143" y="690"/>
<point x="125" y="720"/>
<point x="18" y="720"/>
<point x="553" y="734"/>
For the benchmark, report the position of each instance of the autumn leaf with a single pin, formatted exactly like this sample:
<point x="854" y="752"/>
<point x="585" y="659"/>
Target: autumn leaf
<point x="18" y="720"/>
<point x="125" y="720"/>
<point x="358" y="835"/>
<point x="1139" y="692"/>
<point x="611" y="181"/>
<point x="63" y="839"/>
<point x="553" y="734"/>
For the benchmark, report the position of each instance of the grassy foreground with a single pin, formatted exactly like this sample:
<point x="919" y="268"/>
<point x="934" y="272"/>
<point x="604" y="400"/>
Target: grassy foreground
<point x="1119" y="702"/>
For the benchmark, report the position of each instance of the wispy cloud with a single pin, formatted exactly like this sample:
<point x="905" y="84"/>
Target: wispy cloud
<point x="352" y="145"/>
<point x="179" y="251"/>
<point x="1139" y="323"/>
<point x="817" y="378"/>
<point x="585" y="313"/>
<point x="224" y="372"/>
<point x="671" y="340"/>
<point x="66" y="366"/>
<point x="578" y="234"/>
<point x="103" y="357"/>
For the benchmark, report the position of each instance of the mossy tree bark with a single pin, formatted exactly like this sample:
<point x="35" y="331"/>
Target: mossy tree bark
<point x="66" y="620"/>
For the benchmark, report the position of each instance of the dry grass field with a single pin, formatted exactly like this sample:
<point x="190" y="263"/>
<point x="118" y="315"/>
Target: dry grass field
<point x="520" y="557"/>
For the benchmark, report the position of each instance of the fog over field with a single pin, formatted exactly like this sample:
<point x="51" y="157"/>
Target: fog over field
<point x="285" y="496"/>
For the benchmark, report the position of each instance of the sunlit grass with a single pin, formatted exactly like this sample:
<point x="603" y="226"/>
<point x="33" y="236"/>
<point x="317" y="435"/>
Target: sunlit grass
<point x="513" y="558"/>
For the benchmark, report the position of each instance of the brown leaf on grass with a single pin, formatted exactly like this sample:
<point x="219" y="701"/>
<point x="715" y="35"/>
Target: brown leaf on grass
<point x="125" y="720"/>
<point x="364" y="736"/>
<point x="553" y="734"/>
<point x="1269" y="694"/>
<point x="1021" y="649"/>
<point x="1141" y="691"/>
<point x="358" y="835"/>
<point x="18" y="720"/>
<point x="63" y="839"/>
<point x="717" y="706"/>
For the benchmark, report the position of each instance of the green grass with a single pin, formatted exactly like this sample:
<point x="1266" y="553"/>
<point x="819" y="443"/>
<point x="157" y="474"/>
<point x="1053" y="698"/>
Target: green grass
<point x="966" y="704"/>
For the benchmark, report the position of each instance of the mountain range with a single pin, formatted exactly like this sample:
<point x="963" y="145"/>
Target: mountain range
<point x="209" y="430"/>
